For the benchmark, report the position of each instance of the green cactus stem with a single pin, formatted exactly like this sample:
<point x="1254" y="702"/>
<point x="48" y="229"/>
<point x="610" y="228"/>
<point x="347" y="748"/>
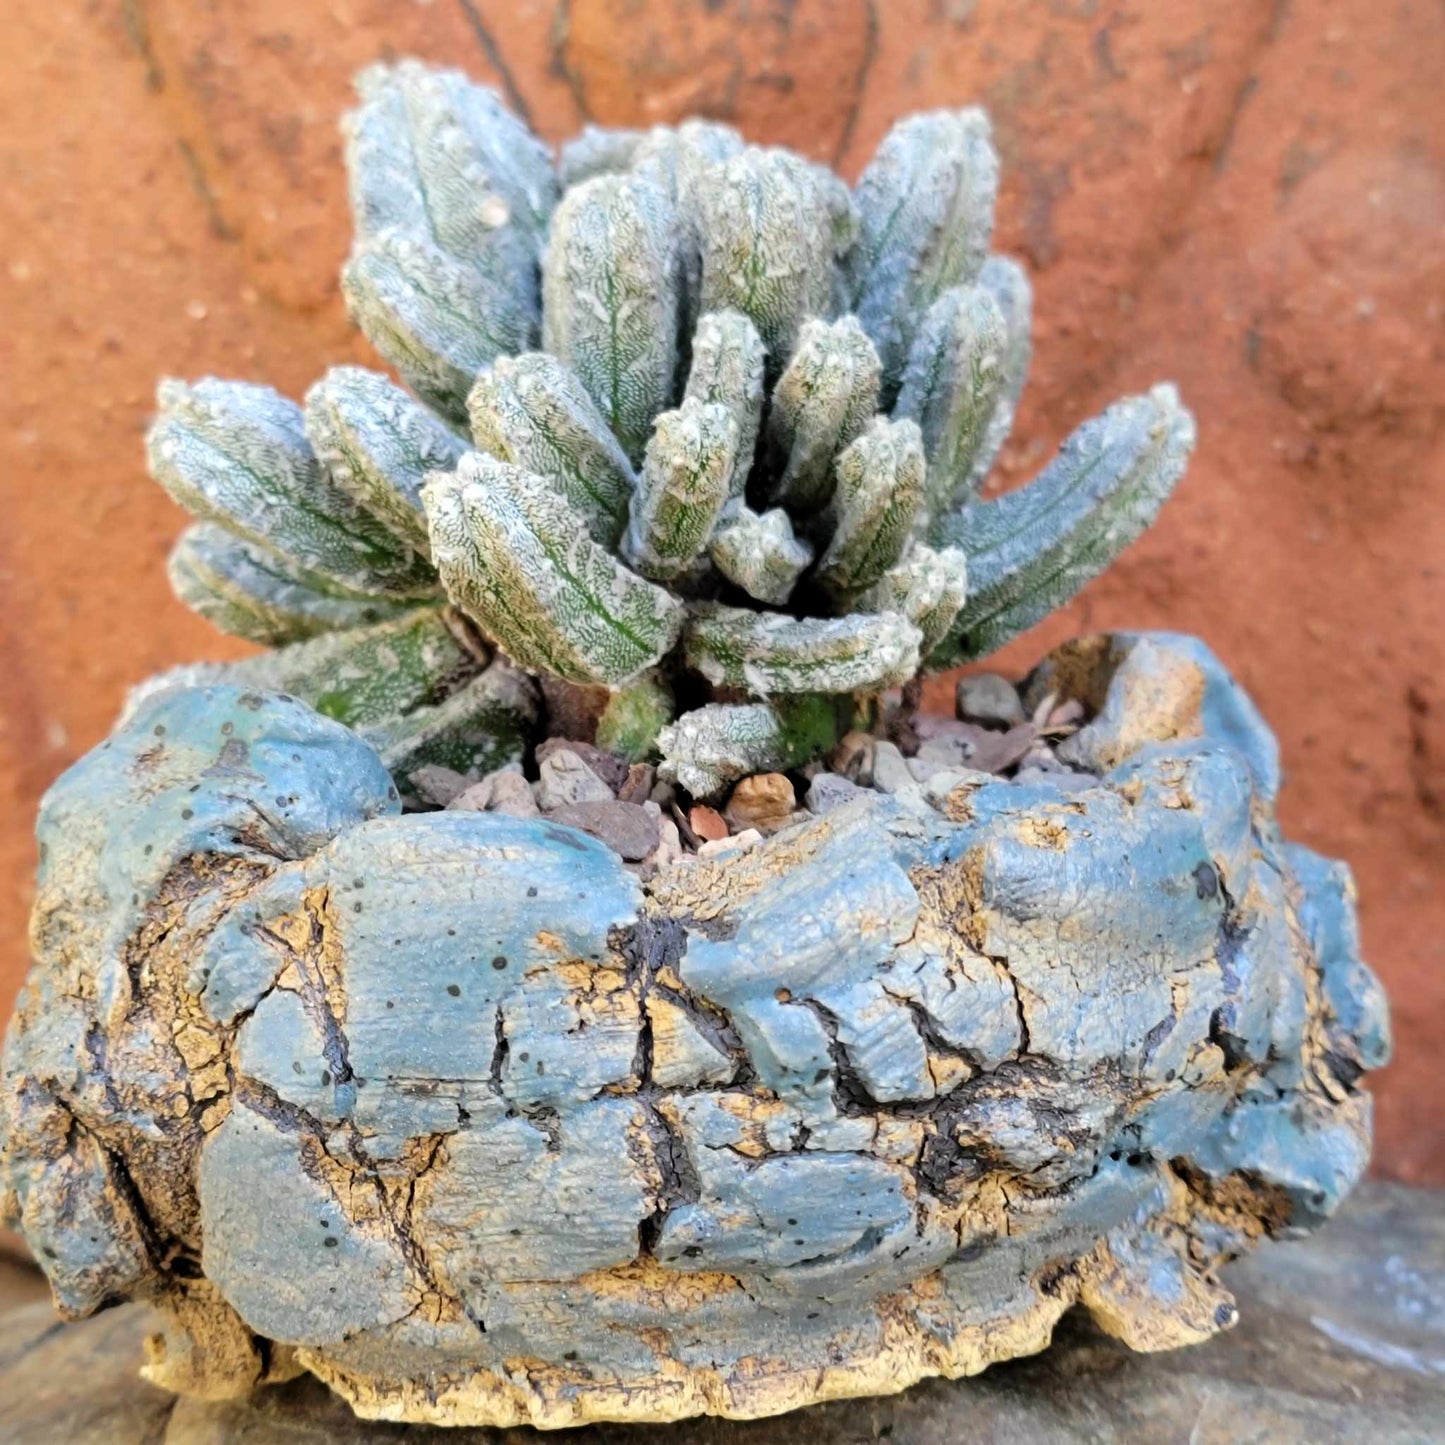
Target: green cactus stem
<point x="246" y="591"/>
<point x="1030" y="551"/>
<point x="512" y="555"/>
<point x="531" y="411"/>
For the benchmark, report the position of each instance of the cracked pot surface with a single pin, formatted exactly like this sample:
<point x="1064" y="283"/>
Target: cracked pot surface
<point x="455" y="1113"/>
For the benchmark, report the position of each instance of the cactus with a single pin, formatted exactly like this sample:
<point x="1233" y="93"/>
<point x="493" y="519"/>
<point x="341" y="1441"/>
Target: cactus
<point x="744" y="470"/>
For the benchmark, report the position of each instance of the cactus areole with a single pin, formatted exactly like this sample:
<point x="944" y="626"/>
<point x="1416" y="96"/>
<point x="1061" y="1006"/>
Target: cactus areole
<point x="540" y="1107"/>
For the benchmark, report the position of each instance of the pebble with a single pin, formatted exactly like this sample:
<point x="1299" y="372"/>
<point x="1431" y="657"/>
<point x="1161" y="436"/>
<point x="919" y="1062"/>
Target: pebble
<point x="853" y="758"/>
<point x="921" y="769"/>
<point x="627" y="828"/>
<point x="564" y="778"/>
<point x="997" y="751"/>
<point x="608" y="766"/>
<point x="439" y="785"/>
<point x="987" y="697"/>
<point x="946" y="752"/>
<point x="707" y="823"/>
<point x="765" y="801"/>
<point x="1068" y="714"/>
<point x="483" y="796"/>
<point x="890" y="769"/>
<point x="831" y="790"/>
<point x="639" y="784"/>
<point x="738" y="843"/>
<point x="669" y="846"/>
<point x="513" y="796"/>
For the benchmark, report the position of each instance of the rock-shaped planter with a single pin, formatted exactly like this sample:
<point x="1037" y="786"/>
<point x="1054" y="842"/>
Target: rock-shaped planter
<point x="452" y="1112"/>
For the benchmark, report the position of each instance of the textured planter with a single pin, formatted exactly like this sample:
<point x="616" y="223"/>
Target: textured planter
<point x="450" y="1111"/>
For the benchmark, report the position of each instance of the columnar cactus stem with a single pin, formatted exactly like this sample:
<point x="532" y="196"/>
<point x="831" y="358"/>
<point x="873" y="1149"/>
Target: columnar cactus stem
<point x="952" y="387"/>
<point x="686" y="477"/>
<point x="484" y="725"/>
<point x="431" y="318"/>
<point x="925" y="211"/>
<point x="824" y="398"/>
<point x="768" y="653"/>
<point x="237" y="454"/>
<point x="1031" y="550"/>
<point x="759" y="553"/>
<point x="713" y="746"/>
<point x="249" y="592"/>
<point x="1008" y="283"/>
<point x="378" y="444"/>
<point x="772" y="228"/>
<point x="727" y="370"/>
<point x="928" y="587"/>
<point x="369" y="675"/>
<point x="879" y="489"/>
<point x="510" y="553"/>
<point x="610" y="299"/>
<point x="532" y="411"/>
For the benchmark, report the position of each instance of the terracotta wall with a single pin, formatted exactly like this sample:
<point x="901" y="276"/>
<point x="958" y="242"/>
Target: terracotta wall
<point x="1244" y="196"/>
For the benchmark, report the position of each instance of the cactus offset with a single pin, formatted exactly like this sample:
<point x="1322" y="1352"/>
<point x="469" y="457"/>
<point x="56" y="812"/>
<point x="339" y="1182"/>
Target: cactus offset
<point x="748" y="455"/>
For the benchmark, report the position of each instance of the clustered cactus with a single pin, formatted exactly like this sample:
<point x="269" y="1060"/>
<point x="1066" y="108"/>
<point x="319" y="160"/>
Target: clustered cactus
<point x="741" y="473"/>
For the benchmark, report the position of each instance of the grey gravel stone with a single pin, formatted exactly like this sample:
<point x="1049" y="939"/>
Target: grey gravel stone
<point x="987" y="697"/>
<point x="921" y="769"/>
<point x="564" y="777"/>
<point x="891" y="773"/>
<point x="945" y="752"/>
<point x="437" y="785"/>
<point x="828" y="791"/>
<point x="608" y="766"/>
<point x="1042" y="759"/>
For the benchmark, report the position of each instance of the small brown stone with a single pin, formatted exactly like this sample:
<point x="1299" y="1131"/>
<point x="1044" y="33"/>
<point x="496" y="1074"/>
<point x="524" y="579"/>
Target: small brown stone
<point x="853" y="758"/>
<point x="637" y="786"/>
<point x="707" y="823"/>
<point x="765" y="801"/>
<point x="627" y="828"/>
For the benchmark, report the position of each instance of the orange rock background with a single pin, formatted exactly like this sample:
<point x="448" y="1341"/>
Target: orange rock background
<point x="1245" y="196"/>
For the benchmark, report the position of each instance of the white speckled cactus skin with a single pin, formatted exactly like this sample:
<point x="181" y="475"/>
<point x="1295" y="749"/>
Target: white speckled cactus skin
<point x="454" y="1110"/>
<point x="759" y="396"/>
<point x="449" y="1110"/>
